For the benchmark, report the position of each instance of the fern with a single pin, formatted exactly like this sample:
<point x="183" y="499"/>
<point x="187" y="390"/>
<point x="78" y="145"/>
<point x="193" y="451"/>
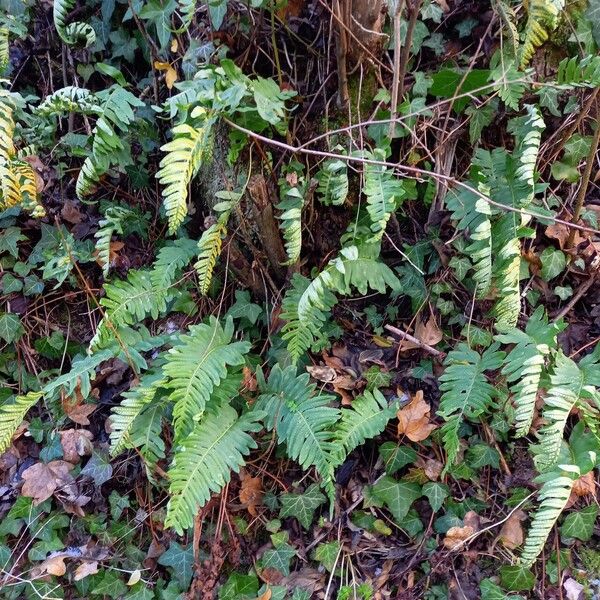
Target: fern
<point x="209" y="249"/>
<point x="70" y="99"/>
<point x="384" y="191"/>
<point x="541" y="21"/>
<point x="306" y="307"/>
<point x="467" y="394"/>
<point x="554" y="495"/>
<point x="123" y="417"/>
<point x="579" y="72"/>
<point x="190" y="146"/>
<point x="524" y="364"/>
<point x="566" y="387"/>
<point x="302" y="420"/>
<point x="171" y="259"/>
<point x="12" y="413"/>
<point x="204" y="462"/>
<point x="71" y="33"/>
<point x="366" y="419"/>
<point x="333" y="182"/>
<point x="4" y="50"/>
<point x="146" y="436"/>
<point x="291" y="216"/>
<point x="196" y="366"/>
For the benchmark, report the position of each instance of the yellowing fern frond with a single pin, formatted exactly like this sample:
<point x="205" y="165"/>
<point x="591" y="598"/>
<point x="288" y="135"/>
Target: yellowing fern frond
<point x="209" y="249"/>
<point x="4" y="53"/>
<point x="542" y="20"/>
<point x="190" y="146"/>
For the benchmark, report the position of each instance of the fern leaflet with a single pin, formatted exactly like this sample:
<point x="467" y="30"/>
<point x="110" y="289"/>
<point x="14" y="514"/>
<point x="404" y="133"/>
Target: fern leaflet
<point x="71" y="33"/>
<point x="12" y="413"/>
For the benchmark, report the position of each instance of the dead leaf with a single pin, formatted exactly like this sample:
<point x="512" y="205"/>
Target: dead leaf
<point x="455" y="536"/>
<point x="585" y="485"/>
<point x="170" y="75"/>
<point x="71" y="213"/>
<point x="251" y="493"/>
<point x="433" y="469"/>
<point x="174" y="45"/>
<point x="76" y="443"/>
<point x="266" y="596"/>
<point x="574" y="589"/>
<point x="322" y="373"/>
<point x="560" y="232"/>
<point x="74" y="407"/>
<point x="249" y="383"/>
<point x="37" y="166"/>
<point x="413" y="419"/>
<point x="84" y="569"/>
<point x="511" y="534"/>
<point x="426" y="332"/>
<point x="42" y="480"/>
<point x="134" y="577"/>
<point x="53" y="565"/>
<point x="113" y="253"/>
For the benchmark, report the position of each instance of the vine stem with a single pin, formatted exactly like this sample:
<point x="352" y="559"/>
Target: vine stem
<point x="585" y="180"/>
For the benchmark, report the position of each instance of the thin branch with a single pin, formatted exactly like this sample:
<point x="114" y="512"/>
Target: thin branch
<point x="410" y="338"/>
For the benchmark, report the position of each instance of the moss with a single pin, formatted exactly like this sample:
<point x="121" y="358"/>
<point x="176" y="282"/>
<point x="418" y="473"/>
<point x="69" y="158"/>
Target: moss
<point x="361" y="93"/>
<point x="590" y="559"/>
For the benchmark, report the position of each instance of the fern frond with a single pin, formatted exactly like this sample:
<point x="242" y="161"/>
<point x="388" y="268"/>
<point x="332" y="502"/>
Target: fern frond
<point x="71" y="33"/>
<point x="123" y="416"/>
<point x="12" y="413"/>
<point x="146" y="436"/>
<point x="333" y="182"/>
<point x="541" y="21"/>
<point x="190" y="146"/>
<point x="566" y="386"/>
<point x="554" y="496"/>
<point x="25" y="177"/>
<point x="70" y="99"/>
<point x="291" y="220"/>
<point x="366" y="419"/>
<point x="525" y="363"/>
<point x="508" y="18"/>
<point x="209" y="249"/>
<point x="579" y="72"/>
<point x="204" y="461"/>
<point x="4" y="50"/>
<point x="302" y="420"/>
<point x="196" y="366"/>
<point x="466" y="391"/>
<point x="171" y="260"/>
<point x="7" y="129"/>
<point x="384" y="191"/>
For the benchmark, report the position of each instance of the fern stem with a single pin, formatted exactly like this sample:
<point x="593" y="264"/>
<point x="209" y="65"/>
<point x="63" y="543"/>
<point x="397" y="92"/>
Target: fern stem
<point x="585" y="180"/>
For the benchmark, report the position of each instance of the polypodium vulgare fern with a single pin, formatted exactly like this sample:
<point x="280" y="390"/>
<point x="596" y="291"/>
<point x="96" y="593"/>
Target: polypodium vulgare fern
<point x="333" y="182"/>
<point x="12" y="413"/>
<point x="292" y="191"/>
<point x="542" y="19"/>
<point x="71" y="33"/>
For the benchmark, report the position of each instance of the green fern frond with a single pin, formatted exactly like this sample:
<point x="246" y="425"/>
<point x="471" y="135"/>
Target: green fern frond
<point x="333" y="182"/>
<point x="70" y="99"/>
<point x="4" y="51"/>
<point x="196" y="366"/>
<point x="71" y="33"/>
<point x="366" y="419"/>
<point x="579" y="72"/>
<point x="114" y="221"/>
<point x="204" y="461"/>
<point x="554" y="495"/>
<point x="510" y="43"/>
<point x="302" y="419"/>
<point x="467" y="394"/>
<point x="171" y="260"/>
<point x="7" y="129"/>
<point x="190" y="146"/>
<point x="384" y="191"/>
<point x="290" y="219"/>
<point x="12" y="413"/>
<point x="525" y="364"/>
<point x="123" y="416"/>
<point x="146" y="436"/>
<point x="541" y="21"/>
<point x="566" y="386"/>
<point x="209" y="249"/>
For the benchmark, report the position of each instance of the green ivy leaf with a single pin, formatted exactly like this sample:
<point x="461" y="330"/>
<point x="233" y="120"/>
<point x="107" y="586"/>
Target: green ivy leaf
<point x="9" y="238"/>
<point x="10" y="327"/>
<point x="482" y="455"/>
<point x="436" y="494"/>
<point x="517" y="578"/>
<point x="395" y="457"/>
<point x="327" y="554"/>
<point x="98" y="468"/>
<point x="181" y="559"/>
<point x="302" y="506"/>
<point x="11" y="284"/>
<point x="553" y="263"/>
<point x="580" y="524"/>
<point x="110" y="586"/>
<point x="239" y="587"/>
<point x="396" y="495"/>
<point x="278" y="558"/>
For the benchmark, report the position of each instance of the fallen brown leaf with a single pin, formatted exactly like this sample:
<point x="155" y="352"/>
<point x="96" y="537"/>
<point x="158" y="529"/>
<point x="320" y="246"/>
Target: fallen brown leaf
<point x="76" y="443"/>
<point x="74" y="407"/>
<point x="560" y="232"/>
<point x="511" y="534"/>
<point x="41" y="480"/>
<point x="170" y="75"/>
<point x="84" y="569"/>
<point x="455" y="536"/>
<point x="266" y="596"/>
<point x="322" y="373"/>
<point x="251" y="493"/>
<point x="413" y="419"/>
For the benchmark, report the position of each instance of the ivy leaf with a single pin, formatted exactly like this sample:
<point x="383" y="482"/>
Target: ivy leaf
<point x="482" y="455"/>
<point x="395" y="457"/>
<point x="396" y="495"/>
<point x="278" y="558"/>
<point x="553" y="263"/>
<point x="159" y="13"/>
<point x="140" y="592"/>
<point x="9" y="239"/>
<point x="436" y="494"/>
<point x="10" y="327"/>
<point x="580" y="524"/>
<point x="491" y="591"/>
<point x="217" y="10"/>
<point x="593" y="15"/>
<point x="270" y="100"/>
<point x="181" y="559"/>
<point x="239" y="587"/>
<point x="302" y="506"/>
<point x="517" y="578"/>
<point x="98" y="468"/>
<point x="327" y="554"/>
<point x="110" y="586"/>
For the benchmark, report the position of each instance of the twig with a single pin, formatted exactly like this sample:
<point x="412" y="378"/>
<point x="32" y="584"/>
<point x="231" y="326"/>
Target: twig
<point x="414" y="340"/>
<point x="583" y="288"/>
<point x="414" y="13"/>
<point x="397" y="60"/>
<point x="585" y="180"/>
